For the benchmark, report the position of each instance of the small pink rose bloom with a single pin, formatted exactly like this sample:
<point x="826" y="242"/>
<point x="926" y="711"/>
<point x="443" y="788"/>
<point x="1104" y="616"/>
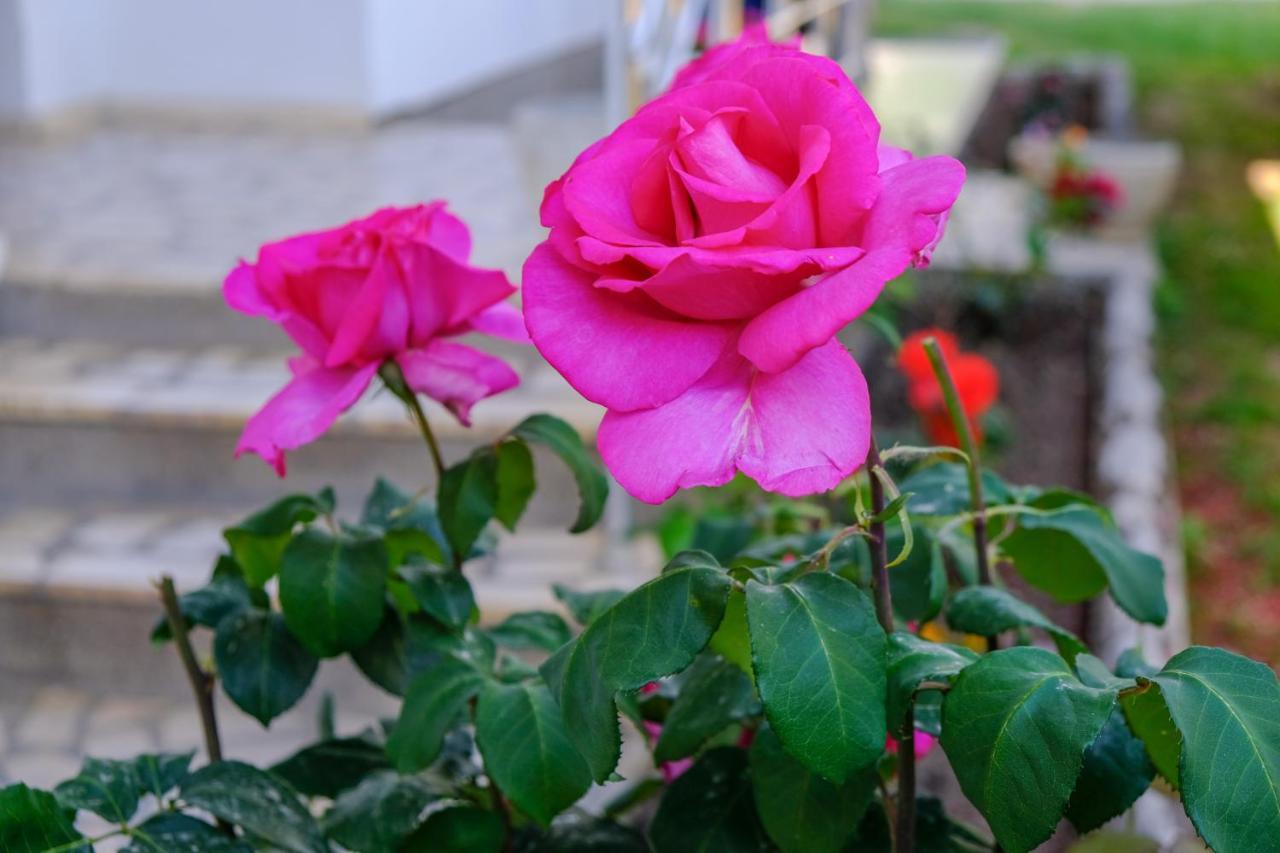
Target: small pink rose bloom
<point x="702" y="258"/>
<point x="394" y="286"/>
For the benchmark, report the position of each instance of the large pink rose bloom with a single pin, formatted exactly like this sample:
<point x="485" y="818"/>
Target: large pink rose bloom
<point x="394" y="286"/>
<point x="703" y="256"/>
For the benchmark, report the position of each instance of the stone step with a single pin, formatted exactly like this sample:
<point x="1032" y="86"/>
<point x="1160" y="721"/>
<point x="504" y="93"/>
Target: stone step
<point x="77" y="596"/>
<point x="85" y="424"/>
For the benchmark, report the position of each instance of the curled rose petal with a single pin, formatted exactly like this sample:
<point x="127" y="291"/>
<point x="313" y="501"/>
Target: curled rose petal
<point x="455" y="375"/>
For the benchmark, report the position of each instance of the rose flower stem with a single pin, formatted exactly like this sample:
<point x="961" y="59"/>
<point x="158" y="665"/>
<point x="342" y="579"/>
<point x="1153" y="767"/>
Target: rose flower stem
<point x="394" y="378"/>
<point x="201" y="680"/>
<point x="974" y="466"/>
<point x="905" y="838"/>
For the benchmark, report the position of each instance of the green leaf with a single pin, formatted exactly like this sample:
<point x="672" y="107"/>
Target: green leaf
<point x="943" y="489"/>
<point x="263" y="668"/>
<point x="256" y="801"/>
<point x="105" y="787"/>
<point x="913" y="660"/>
<point x="410" y="525"/>
<point x="989" y="610"/>
<point x="919" y="583"/>
<point x="458" y="829"/>
<point x="584" y="607"/>
<point x="709" y="809"/>
<point x="32" y="821"/>
<point x="379" y="813"/>
<point x="935" y="832"/>
<point x="526" y="750"/>
<point x="731" y="640"/>
<point x="1015" y="726"/>
<point x="224" y="594"/>
<point x="329" y="767"/>
<point x="467" y="499"/>
<point x="819" y="658"/>
<point x="535" y="629"/>
<point x="653" y="632"/>
<point x="1227" y="710"/>
<point x="516" y="483"/>
<point x="802" y="812"/>
<point x="442" y="593"/>
<point x="714" y="694"/>
<point x="160" y="773"/>
<point x="332" y="590"/>
<point x="258" y="542"/>
<point x="179" y="833"/>
<point x="1115" y="773"/>
<point x="561" y="439"/>
<point x="433" y="704"/>
<point x="1149" y="720"/>
<point x="382" y="657"/>
<point x="1073" y="554"/>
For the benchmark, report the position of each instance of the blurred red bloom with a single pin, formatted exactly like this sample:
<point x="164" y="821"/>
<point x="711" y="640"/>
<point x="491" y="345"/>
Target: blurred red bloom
<point x="977" y="384"/>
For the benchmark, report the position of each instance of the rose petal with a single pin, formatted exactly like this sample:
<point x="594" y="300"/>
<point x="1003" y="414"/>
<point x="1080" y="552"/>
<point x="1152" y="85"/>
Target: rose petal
<point x="455" y="375"/>
<point x="797" y="432"/>
<point x="621" y="350"/>
<point x="710" y="292"/>
<point x="912" y="199"/>
<point x="502" y="320"/>
<point x="781" y="335"/>
<point x="301" y="411"/>
<point x="379" y="310"/>
<point x="444" y="295"/>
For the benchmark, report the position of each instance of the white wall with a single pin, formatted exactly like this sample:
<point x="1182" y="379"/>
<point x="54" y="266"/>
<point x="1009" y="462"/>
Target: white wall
<point x="368" y="57"/>
<point x="427" y="50"/>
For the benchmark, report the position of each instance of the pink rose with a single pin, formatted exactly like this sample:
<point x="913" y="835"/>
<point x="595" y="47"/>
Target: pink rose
<point x="393" y="286"/>
<point x="702" y="258"/>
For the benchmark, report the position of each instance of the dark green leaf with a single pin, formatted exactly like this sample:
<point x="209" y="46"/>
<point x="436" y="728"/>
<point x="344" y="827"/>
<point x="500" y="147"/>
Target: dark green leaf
<point x="913" y="660"/>
<point x="467" y="499"/>
<point x="442" y="593"/>
<point x="105" y="787"/>
<point x="526" y="750"/>
<point x="802" y="812"/>
<point x="989" y="610"/>
<point x="722" y="536"/>
<point x="1227" y="710"/>
<point x="379" y="813"/>
<point x="329" y="767"/>
<point x="257" y="801"/>
<point x="1149" y="720"/>
<point x="935" y="832"/>
<point x="819" y="657"/>
<point x="258" y="542"/>
<point x="1094" y="673"/>
<point x="560" y="438"/>
<point x="532" y="630"/>
<point x="382" y="657"/>
<point x="653" y="632"/>
<point x="919" y="583"/>
<point x="714" y="694"/>
<point x="1015" y="726"/>
<point x="709" y="809"/>
<point x="226" y="593"/>
<point x="160" y="773"/>
<point x="262" y="667"/>
<point x="179" y="833"/>
<point x="584" y="607"/>
<point x="32" y="821"/>
<point x="943" y="489"/>
<point x="1073" y="554"/>
<point x="332" y="590"/>
<point x="1115" y="773"/>
<point x="433" y="704"/>
<point x="1131" y="664"/>
<point x="515" y="482"/>
<point x="584" y="835"/>
<point x="458" y="829"/>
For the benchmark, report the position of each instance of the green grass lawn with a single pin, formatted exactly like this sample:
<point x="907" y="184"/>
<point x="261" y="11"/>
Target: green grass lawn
<point x="1207" y="75"/>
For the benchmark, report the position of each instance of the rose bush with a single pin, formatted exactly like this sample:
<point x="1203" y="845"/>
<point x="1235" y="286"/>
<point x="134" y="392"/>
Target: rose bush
<point x="702" y="257"/>
<point x="393" y="286"/>
<point x="977" y="384"/>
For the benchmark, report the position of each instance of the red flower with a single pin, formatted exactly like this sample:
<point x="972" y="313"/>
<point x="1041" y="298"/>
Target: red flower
<point x="977" y="384"/>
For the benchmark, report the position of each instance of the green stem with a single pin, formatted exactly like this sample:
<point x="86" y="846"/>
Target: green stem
<point x="394" y="379"/>
<point x="879" y="552"/>
<point x="905" y="837"/>
<point x="974" y="468"/>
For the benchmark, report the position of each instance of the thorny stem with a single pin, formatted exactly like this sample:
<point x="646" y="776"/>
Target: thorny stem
<point x="879" y="554"/>
<point x="905" y="838"/>
<point x="201" y="681"/>
<point x="394" y="378"/>
<point x="974" y="468"/>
